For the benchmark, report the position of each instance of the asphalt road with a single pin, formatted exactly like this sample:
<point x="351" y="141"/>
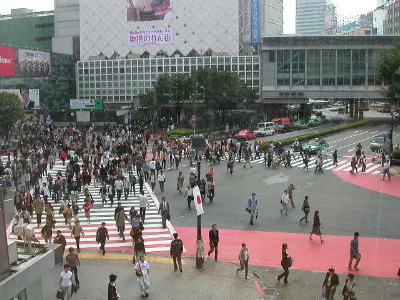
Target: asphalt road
<point x="344" y="207"/>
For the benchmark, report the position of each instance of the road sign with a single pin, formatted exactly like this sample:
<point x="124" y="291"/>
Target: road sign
<point x="86" y="104"/>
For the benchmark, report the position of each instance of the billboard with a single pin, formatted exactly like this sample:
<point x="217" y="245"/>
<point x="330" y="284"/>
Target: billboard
<point x="255" y="22"/>
<point x="149" y="10"/>
<point x="7" y="61"/>
<point x="245" y="21"/>
<point x="29" y="97"/>
<point x="150" y="37"/>
<point x="85" y="104"/>
<point x="33" y="63"/>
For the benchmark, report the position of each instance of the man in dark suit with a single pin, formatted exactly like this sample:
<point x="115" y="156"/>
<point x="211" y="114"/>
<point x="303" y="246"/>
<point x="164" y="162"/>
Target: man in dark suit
<point x="213" y="235"/>
<point x="163" y="210"/>
<point x="26" y="101"/>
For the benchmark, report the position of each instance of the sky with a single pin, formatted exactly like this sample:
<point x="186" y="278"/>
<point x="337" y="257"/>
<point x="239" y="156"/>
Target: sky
<point x="344" y="7"/>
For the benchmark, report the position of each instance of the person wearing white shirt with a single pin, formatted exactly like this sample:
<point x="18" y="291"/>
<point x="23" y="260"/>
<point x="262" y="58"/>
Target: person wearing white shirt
<point x="118" y="187"/>
<point x="161" y="180"/>
<point x="142" y="267"/>
<point x="65" y="283"/>
<point x="285" y="200"/>
<point x="45" y="192"/>
<point x="152" y="166"/>
<point x="143" y="203"/>
<point x="386" y="170"/>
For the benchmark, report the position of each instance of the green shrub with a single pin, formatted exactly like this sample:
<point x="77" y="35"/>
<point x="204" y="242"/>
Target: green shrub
<point x="396" y="154"/>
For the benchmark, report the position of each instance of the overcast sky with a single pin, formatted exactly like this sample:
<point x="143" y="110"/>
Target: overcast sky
<point x="345" y="7"/>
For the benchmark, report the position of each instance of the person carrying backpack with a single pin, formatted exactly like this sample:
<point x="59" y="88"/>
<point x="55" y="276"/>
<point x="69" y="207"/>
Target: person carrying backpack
<point x="176" y="252"/>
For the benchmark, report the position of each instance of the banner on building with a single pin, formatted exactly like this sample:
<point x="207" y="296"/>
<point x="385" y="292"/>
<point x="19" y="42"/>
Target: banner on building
<point x="255" y="22"/>
<point x="29" y="97"/>
<point x="245" y="21"/>
<point x="33" y="63"/>
<point x="85" y="104"/>
<point x="150" y="37"/>
<point x="149" y="10"/>
<point x="7" y="61"/>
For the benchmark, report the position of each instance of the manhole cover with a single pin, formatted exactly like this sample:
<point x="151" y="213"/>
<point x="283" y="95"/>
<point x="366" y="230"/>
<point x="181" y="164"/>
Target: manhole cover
<point x="270" y="291"/>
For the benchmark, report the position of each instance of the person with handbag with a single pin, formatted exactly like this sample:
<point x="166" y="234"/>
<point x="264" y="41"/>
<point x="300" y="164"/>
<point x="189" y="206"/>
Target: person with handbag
<point x="65" y="283"/>
<point x="142" y="270"/>
<point x="354" y="252"/>
<point x="305" y="209"/>
<point x="349" y="288"/>
<point x="112" y="289"/>
<point x="286" y="263"/>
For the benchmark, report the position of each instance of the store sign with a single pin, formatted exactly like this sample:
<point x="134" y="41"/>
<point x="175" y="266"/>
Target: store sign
<point x="255" y="22"/>
<point x="150" y="37"/>
<point x="85" y="104"/>
<point x="245" y="20"/>
<point x="33" y="63"/>
<point x="7" y="61"/>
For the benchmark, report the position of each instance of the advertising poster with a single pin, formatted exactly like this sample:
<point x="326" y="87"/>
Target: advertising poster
<point x="150" y="37"/>
<point x="7" y="61"/>
<point x="33" y="63"/>
<point x="29" y="97"/>
<point x="255" y="22"/>
<point x="149" y="10"/>
<point x="245" y="21"/>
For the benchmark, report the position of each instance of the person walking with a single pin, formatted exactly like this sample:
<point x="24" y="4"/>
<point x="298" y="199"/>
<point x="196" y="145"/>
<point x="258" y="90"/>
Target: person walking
<point x="161" y="180"/>
<point x="316" y="229"/>
<point x="386" y="170"/>
<point x="86" y="208"/>
<point x="119" y="185"/>
<point x="330" y="283"/>
<point x="47" y="232"/>
<point x="163" y="210"/>
<point x="211" y="190"/>
<point x="335" y="157"/>
<point x="189" y="195"/>
<point x="138" y="249"/>
<point x="213" y="236"/>
<point x="60" y="239"/>
<point x="127" y="186"/>
<point x="176" y="252"/>
<point x="101" y="236"/>
<point x="65" y="283"/>
<point x="142" y="269"/>
<point x="120" y="218"/>
<point x="112" y="289"/>
<point x="103" y="194"/>
<point x="285" y="201"/>
<point x="252" y="207"/>
<point x="305" y="209"/>
<point x="179" y="182"/>
<point x="77" y="232"/>
<point x="349" y="288"/>
<point x="72" y="259"/>
<point x="143" y="204"/>
<point x="363" y="160"/>
<point x="38" y="205"/>
<point x="286" y="263"/>
<point x="290" y="189"/>
<point x="152" y="180"/>
<point x="354" y="252"/>
<point x="244" y="261"/>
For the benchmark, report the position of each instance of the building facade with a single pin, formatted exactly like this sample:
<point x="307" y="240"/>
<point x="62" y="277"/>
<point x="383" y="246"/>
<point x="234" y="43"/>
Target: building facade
<point x="313" y="16"/>
<point x="391" y="24"/>
<point x="296" y="68"/>
<point x="27" y="29"/>
<point x="120" y="81"/>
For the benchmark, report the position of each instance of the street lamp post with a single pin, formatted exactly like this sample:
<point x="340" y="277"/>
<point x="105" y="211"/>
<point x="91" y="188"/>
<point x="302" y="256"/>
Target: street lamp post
<point x="199" y="143"/>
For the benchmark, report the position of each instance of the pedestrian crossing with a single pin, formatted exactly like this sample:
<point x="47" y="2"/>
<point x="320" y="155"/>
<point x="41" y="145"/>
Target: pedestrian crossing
<point x="344" y="165"/>
<point x="156" y="238"/>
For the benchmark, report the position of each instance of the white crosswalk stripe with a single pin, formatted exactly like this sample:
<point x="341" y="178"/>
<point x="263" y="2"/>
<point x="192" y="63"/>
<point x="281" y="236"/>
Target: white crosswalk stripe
<point x="155" y="237"/>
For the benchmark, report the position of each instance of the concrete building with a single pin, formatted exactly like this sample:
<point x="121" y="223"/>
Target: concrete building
<point x="391" y="24"/>
<point x="66" y="27"/>
<point x="295" y="68"/>
<point x="314" y="16"/>
<point x="27" y="29"/>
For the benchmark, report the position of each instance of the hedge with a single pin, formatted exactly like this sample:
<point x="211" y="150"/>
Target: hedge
<point x="188" y="131"/>
<point x="320" y="133"/>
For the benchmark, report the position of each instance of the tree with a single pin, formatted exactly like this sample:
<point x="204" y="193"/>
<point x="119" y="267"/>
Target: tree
<point x="10" y="110"/>
<point x="388" y="68"/>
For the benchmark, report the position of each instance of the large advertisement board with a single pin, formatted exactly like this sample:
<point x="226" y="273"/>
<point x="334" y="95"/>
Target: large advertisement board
<point x="33" y="63"/>
<point x="149" y="10"/>
<point x="29" y="97"/>
<point x="255" y="22"/>
<point x="150" y="37"/>
<point x="7" y="61"/>
<point x="245" y="21"/>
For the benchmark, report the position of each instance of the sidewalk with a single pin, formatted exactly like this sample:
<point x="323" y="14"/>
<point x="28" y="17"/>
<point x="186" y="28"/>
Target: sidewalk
<point x="216" y="281"/>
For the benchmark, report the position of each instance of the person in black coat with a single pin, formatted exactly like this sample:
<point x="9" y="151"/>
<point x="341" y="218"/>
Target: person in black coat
<point x="330" y="283"/>
<point x="112" y="289"/>
<point x="213" y="235"/>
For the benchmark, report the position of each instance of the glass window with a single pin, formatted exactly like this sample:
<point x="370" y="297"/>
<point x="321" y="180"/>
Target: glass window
<point x="343" y="67"/>
<point x="313" y="67"/>
<point x="328" y="67"/>
<point x="283" y="67"/>
<point x="358" y="61"/>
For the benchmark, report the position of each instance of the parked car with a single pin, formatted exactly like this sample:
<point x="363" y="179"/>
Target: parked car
<point x="316" y="145"/>
<point x="245" y="134"/>
<point x="381" y="141"/>
<point x="283" y="124"/>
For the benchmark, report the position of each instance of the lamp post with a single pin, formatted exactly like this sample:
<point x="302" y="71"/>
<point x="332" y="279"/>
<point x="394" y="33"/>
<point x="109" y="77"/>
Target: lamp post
<point x="199" y="143"/>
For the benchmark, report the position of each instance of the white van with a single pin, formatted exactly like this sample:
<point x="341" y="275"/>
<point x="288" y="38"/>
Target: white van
<point x="265" y="128"/>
